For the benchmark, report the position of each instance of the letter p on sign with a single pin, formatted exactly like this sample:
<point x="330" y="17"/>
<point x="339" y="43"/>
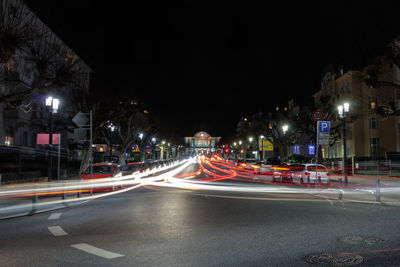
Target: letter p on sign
<point x="324" y="126"/>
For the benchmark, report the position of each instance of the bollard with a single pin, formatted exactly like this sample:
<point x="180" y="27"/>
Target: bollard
<point x="79" y="193"/>
<point x="340" y="191"/>
<point x="63" y="196"/>
<point x="34" y="201"/>
<point x="378" y="191"/>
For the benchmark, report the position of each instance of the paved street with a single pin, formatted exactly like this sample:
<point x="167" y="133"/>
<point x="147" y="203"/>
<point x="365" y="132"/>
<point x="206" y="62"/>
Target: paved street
<point x="161" y="226"/>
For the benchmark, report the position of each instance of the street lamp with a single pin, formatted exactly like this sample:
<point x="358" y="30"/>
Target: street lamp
<point x="111" y="127"/>
<point x="285" y="128"/>
<point x="343" y="111"/>
<point x="154" y="147"/>
<point x="261" y="147"/>
<point x="52" y="103"/>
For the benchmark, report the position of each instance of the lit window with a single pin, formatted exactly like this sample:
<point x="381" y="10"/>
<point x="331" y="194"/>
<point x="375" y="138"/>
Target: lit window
<point x="311" y="149"/>
<point x="372" y="103"/>
<point x="296" y="149"/>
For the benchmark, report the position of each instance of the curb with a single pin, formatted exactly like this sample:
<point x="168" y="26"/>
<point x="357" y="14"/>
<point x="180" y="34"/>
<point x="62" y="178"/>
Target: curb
<point x="30" y="213"/>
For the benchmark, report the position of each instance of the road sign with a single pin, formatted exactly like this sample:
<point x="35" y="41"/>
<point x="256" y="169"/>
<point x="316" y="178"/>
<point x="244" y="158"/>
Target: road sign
<point x="323" y="132"/>
<point x="80" y="119"/>
<point x="80" y="134"/>
<point x="265" y="145"/>
<point x="318" y="115"/>
<point x="43" y="138"/>
<point x="324" y="126"/>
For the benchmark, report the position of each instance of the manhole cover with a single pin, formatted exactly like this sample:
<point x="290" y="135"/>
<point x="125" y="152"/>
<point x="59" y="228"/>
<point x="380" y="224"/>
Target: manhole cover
<point x="354" y="239"/>
<point x="338" y="259"/>
<point x="357" y="239"/>
<point x="373" y="240"/>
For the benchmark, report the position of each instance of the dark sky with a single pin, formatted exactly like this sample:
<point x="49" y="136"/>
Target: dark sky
<point x="202" y="65"/>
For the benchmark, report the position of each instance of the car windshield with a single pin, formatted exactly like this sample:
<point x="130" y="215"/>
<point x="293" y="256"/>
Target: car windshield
<point x="316" y="168"/>
<point x="99" y="169"/>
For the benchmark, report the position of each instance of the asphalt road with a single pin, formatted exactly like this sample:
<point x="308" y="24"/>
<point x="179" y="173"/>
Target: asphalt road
<point x="157" y="226"/>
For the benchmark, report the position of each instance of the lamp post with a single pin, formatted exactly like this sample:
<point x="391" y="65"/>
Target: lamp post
<point x="154" y="148"/>
<point x="241" y="147"/>
<point x="111" y="128"/>
<point x="52" y="104"/>
<point x="285" y="128"/>
<point x="261" y="147"/>
<point x="162" y="150"/>
<point x="343" y="111"/>
<point x="250" y="145"/>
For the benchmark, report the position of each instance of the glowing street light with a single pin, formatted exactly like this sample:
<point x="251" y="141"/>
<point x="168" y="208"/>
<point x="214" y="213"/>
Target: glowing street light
<point x="343" y="111"/>
<point x="285" y="128"/>
<point x="53" y="104"/>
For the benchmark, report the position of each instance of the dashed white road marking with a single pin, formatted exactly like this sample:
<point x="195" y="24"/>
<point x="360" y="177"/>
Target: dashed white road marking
<point x="96" y="251"/>
<point x="57" y="230"/>
<point x="54" y="216"/>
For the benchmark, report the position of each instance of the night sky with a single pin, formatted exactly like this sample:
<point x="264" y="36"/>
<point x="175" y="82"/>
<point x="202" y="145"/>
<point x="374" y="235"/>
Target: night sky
<point x="202" y="66"/>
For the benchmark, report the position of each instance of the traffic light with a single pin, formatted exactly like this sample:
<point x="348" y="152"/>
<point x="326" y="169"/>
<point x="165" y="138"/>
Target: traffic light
<point x="226" y="150"/>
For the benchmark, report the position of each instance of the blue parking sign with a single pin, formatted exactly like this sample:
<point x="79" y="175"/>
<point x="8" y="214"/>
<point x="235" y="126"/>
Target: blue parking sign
<point x="324" y="126"/>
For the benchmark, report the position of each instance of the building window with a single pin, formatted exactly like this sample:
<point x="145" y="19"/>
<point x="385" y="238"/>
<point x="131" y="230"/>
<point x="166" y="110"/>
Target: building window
<point x="311" y="149"/>
<point x="372" y="103"/>
<point x="373" y="123"/>
<point x="374" y="143"/>
<point x="296" y="149"/>
<point x="9" y="141"/>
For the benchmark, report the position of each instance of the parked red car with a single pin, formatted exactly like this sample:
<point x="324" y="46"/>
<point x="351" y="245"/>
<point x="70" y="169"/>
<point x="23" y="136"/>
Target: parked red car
<point x="101" y="170"/>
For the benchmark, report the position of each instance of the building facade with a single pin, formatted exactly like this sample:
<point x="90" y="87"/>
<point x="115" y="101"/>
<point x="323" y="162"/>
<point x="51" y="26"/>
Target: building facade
<point x="369" y="133"/>
<point x="201" y="143"/>
<point x="41" y="66"/>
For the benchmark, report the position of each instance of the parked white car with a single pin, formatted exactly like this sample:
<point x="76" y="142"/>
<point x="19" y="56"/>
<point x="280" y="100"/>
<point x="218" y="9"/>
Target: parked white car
<point x="314" y="173"/>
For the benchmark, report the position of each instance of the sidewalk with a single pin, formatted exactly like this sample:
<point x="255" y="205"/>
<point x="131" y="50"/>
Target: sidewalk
<point x="363" y="189"/>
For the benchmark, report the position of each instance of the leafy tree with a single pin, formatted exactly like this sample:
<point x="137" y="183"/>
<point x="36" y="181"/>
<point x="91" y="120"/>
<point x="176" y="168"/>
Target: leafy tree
<point x="270" y="125"/>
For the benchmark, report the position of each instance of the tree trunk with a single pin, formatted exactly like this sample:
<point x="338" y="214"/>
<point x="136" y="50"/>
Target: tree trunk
<point x="85" y="156"/>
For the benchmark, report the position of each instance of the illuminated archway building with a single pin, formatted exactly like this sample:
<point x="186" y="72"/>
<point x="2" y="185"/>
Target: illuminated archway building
<point x="202" y="143"/>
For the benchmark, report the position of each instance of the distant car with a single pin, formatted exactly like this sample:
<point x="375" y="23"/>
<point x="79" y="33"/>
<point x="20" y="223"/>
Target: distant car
<point x="101" y="170"/>
<point x="315" y="173"/>
<point x="282" y="173"/>
<point x="249" y="164"/>
<point x="132" y="167"/>
<point x="263" y="167"/>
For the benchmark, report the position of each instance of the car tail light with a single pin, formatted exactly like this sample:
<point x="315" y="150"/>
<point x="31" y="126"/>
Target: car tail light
<point x="328" y="174"/>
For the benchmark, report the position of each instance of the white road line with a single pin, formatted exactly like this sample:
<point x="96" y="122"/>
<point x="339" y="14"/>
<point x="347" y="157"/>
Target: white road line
<point x="57" y="230"/>
<point x="330" y="201"/>
<point x="96" y="251"/>
<point x="54" y="216"/>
